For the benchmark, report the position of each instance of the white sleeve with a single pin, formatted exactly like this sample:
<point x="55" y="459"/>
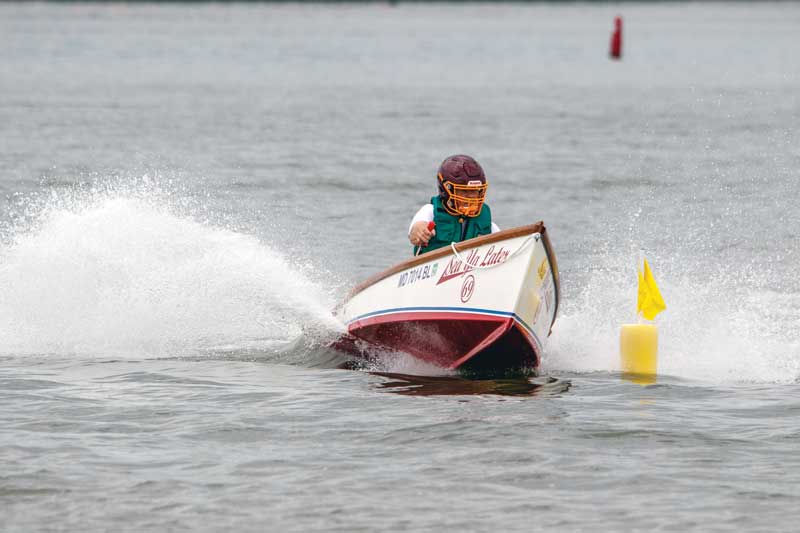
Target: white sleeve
<point x="425" y="214"/>
<point x="495" y="228"/>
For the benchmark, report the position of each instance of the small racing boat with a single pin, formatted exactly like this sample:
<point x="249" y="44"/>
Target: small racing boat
<point x="486" y="304"/>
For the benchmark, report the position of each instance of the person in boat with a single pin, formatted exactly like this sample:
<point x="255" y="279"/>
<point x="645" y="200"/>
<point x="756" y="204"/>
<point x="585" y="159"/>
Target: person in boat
<point x="459" y="210"/>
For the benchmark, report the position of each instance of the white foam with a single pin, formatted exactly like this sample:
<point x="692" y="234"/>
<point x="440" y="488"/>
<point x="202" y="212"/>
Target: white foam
<point x="125" y="275"/>
<point x="402" y="363"/>
<point x="719" y="325"/>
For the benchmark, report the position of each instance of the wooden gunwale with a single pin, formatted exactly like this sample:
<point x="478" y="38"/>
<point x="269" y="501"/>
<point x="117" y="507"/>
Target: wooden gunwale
<point x="461" y="246"/>
<point x="551" y="257"/>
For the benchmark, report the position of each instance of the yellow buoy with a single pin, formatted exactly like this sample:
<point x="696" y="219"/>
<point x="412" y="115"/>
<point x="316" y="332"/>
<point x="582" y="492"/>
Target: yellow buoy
<point x="638" y="343"/>
<point x="638" y="349"/>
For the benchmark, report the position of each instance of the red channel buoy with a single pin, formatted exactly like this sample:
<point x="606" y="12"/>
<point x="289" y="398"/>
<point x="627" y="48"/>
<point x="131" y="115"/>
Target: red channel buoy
<point x="616" y="39"/>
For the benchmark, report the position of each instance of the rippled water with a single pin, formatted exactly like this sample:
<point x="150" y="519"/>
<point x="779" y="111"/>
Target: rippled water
<point x="186" y="191"/>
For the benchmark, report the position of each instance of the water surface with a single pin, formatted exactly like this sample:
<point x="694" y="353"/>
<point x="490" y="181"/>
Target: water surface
<point x="187" y="191"/>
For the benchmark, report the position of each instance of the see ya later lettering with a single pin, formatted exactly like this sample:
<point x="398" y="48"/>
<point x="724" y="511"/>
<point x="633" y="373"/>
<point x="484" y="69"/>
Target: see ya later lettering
<point x="474" y="259"/>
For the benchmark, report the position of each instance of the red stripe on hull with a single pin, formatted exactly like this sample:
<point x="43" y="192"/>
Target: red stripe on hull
<point x="451" y="340"/>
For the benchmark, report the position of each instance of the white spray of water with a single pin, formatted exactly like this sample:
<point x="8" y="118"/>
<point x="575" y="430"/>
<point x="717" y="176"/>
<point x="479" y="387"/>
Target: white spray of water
<point x="123" y="275"/>
<point x="719" y="326"/>
<point x="402" y="363"/>
<point x="723" y="256"/>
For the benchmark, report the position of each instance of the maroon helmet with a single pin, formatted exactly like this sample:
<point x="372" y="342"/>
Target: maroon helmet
<point x="462" y="186"/>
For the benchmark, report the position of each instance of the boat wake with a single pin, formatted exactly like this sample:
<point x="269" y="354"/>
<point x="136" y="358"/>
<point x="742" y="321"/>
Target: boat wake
<point x="113" y="274"/>
<point x="131" y="272"/>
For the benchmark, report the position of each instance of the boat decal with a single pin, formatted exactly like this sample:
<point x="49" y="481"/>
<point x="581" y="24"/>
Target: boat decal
<point x="493" y="257"/>
<point x="543" y="269"/>
<point x="456" y="268"/>
<point x="467" y="288"/>
<point x="416" y="274"/>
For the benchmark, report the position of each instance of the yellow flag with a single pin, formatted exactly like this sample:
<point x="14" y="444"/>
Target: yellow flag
<point x="650" y="301"/>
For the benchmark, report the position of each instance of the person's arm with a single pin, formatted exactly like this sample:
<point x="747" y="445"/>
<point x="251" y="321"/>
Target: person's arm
<point x="418" y="232"/>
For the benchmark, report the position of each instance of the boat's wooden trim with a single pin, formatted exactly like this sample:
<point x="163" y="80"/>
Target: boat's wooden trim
<point x="461" y="246"/>
<point x="551" y="257"/>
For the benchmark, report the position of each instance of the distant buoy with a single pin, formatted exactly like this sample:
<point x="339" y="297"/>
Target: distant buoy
<point x="616" y="40"/>
<point x="638" y="350"/>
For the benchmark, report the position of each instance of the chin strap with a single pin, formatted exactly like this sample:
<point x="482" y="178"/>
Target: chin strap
<point x="464" y="223"/>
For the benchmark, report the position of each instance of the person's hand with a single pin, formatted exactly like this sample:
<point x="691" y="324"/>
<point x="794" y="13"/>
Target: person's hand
<point x="420" y="234"/>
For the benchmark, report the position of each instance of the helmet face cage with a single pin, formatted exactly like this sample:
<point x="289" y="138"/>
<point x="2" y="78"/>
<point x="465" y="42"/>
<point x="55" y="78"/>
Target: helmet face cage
<point x="463" y="199"/>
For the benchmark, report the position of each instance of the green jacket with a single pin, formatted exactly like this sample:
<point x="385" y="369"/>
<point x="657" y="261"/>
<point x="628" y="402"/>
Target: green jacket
<point x="449" y="227"/>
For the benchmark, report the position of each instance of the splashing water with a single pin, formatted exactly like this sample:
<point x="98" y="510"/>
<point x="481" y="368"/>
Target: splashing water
<point x="123" y="270"/>
<point x="721" y="324"/>
<point x="123" y="274"/>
